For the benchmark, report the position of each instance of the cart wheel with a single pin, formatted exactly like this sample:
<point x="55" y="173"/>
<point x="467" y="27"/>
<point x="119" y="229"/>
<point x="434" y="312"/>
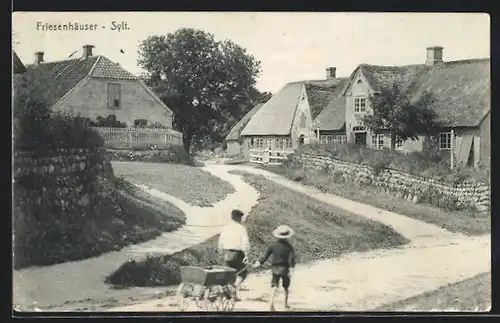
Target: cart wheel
<point x="228" y="304"/>
<point x="206" y="301"/>
<point x="183" y="304"/>
<point x="180" y="297"/>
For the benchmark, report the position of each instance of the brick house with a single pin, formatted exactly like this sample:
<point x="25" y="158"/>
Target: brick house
<point x="286" y="121"/>
<point x="461" y="90"/>
<point x="93" y="86"/>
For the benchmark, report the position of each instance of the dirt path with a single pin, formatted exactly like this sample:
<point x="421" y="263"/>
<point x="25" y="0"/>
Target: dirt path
<point x="364" y="281"/>
<point x="81" y="284"/>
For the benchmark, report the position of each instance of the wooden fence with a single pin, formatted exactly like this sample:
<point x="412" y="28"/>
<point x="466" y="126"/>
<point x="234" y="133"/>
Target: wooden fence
<point x="268" y="157"/>
<point x="122" y="138"/>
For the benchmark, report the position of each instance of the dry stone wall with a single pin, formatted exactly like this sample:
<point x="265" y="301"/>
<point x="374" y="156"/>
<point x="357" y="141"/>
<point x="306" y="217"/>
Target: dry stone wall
<point x="404" y="185"/>
<point x="73" y="175"/>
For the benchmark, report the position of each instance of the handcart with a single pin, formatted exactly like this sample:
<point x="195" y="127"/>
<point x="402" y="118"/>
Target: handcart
<point x="209" y="288"/>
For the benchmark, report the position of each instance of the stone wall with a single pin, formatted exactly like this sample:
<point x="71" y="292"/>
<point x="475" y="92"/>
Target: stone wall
<point x="63" y="162"/>
<point x="72" y="174"/>
<point x="404" y="185"/>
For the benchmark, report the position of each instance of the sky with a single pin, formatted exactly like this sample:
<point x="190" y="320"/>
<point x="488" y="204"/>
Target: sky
<point x="291" y="46"/>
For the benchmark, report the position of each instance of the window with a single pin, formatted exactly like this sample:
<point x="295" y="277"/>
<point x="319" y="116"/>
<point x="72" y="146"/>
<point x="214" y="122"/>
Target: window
<point x="288" y="142"/>
<point x="358" y="129"/>
<point x="260" y="143"/>
<point x="378" y="141"/>
<point x="326" y="139"/>
<point x="359" y="104"/>
<point x="445" y="140"/>
<point x="341" y="139"/>
<point x="399" y="143"/>
<point x="280" y="143"/>
<point x="114" y="96"/>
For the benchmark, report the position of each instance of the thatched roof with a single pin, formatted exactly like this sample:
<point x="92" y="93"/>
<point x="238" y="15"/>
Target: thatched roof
<point x="461" y="89"/>
<point x="332" y="117"/>
<point x="234" y="133"/>
<point x="17" y="65"/>
<point x="276" y="116"/>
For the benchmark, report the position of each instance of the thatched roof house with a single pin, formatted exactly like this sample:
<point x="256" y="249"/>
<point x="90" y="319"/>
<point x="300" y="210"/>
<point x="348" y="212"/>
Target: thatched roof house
<point x="461" y="89"/>
<point x="277" y="115"/>
<point x="461" y="93"/>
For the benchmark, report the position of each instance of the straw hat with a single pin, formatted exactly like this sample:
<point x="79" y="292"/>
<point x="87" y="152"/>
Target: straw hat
<point x="283" y="232"/>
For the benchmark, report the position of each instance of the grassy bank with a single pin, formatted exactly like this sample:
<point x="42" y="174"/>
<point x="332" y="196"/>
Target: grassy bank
<point x="128" y="217"/>
<point x="473" y="294"/>
<point x="322" y="232"/>
<point x="466" y="222"/>
<point x="191" y="184"/>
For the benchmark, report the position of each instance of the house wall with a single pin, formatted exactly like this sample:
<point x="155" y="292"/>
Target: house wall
<point x="303" y="109"/>
<point x="233" y="148"/>
<point x="89" y="99"/>
<point x="352" y="119"/>
<point x="485" y="140"/>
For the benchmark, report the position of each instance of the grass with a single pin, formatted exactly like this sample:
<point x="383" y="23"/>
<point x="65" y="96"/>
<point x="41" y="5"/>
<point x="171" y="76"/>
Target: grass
<point x="322" y="232"/>
<point x="130" y="219"/>
<point x="191" y="184"/>
<point x="473" y="294"/>
<point x="465" y="222"/>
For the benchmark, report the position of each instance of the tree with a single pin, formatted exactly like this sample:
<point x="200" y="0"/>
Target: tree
<point x="405" y="119"/>
<point x="206" y="83"/>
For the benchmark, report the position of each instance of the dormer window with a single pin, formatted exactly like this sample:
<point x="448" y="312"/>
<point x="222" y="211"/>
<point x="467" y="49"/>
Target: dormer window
<point x="359" y="104"/>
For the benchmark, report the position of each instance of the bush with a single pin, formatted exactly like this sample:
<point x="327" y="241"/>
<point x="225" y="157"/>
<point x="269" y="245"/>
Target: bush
<point x="37" y="129"/>
<point x="109" y="122"/>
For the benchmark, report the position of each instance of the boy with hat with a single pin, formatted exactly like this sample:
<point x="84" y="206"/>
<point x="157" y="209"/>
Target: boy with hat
<point x="283" y="261"/>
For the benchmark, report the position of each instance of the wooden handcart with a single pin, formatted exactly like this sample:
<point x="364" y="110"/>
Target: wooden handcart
<point x="210" y="288"/>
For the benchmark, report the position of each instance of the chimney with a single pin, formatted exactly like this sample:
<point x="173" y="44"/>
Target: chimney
<point x="330" y="72"/>
<point x="87" y="50"/>
<point x="434" y="55"/>
<point x="38" y="57"/>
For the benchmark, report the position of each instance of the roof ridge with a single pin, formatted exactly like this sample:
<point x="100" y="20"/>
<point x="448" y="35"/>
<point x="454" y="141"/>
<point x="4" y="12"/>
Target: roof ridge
<point x="95" y="64"/>
<point x="60" y="61"/>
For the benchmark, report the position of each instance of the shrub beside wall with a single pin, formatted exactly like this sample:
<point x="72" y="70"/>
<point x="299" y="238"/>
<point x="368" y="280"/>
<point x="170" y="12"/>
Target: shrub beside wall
<point x="451" y="195"/>
<point x="173" y="154"/>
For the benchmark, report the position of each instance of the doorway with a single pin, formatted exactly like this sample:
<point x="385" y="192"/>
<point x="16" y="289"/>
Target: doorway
<point x="360" y="139"/>
<point x="301" y="140"/>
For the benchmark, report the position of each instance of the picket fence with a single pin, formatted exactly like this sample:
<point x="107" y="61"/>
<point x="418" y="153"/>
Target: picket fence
<point x="122" y="138"/>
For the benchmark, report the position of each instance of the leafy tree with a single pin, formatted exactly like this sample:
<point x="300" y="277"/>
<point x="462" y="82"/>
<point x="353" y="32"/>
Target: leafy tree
<point x="208" y="84"/>
<point x="405" y="119"/>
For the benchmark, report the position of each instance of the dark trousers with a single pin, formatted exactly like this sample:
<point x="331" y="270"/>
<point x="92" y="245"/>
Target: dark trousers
<point x="280" y="273"/>
<point x="234" y="259"/>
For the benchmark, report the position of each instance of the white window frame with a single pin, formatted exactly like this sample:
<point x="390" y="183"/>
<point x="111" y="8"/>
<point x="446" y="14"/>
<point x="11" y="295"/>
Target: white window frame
<point x="287" y="143"/>
<point x="444" y="141"/>
<point x="360" y="104"/>
<point x="378" y="141"/>
<point x="399" y="143"/>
